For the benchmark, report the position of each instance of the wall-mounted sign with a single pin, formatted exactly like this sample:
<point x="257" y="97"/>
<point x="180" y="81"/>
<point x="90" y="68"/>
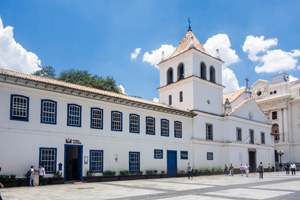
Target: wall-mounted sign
<point x="72" y="141"/>
<point x="86" y="160"/>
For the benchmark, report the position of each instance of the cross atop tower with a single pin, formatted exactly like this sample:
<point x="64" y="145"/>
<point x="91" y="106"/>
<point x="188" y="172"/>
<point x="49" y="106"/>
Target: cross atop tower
<point x="189" y="24"/>
<point x="247" y="80"/>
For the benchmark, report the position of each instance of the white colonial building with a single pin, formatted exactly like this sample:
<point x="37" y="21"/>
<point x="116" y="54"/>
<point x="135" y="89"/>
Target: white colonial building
<point x="73" y="129"/>
<point x="280" y="101"/>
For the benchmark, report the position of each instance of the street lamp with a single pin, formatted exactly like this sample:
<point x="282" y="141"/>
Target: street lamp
<point x="280" y="153"/>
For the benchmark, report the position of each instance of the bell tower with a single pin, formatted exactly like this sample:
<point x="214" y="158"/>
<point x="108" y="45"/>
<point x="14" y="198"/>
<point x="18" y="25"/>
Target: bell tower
<point x="191" y="79"/>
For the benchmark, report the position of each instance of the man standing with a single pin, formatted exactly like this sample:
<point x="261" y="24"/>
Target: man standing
<point x="1" y="186"/>
<point x="231" y="168"/>
<point x="189" y="170"/>
<point x="31" y="180"/>
<point x="261" y="170"/>
<point x="246" y="167"/>
<point x="293" y="168"/>
<point x="287" y="168"/>
<point x="41" y="174"/>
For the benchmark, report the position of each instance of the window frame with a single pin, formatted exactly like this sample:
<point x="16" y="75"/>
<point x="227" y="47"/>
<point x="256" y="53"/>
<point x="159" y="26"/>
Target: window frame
<point x="148" y="133"/>
<point x="12" y="117"/>
<point x="158" y="157"/>
<point x="175" y="129"/>
<point x="208" y="157"/>
<point x="263" y="137"/>
<point x="139" y="161"/>
<point x="170" y="100"/>
<point x="239" y="139"/>
<point x="101" y="162"/>
<point x="206" y="131"/>
<point x="99" y="109"/>
<point x="121" y="122"/>
<point x="80" y="115"/>
<point x="55" y="159"/>
<point x="181" y="96"/>
<point x="251" y="135"/>
<point x="161" y="127"/>
<point x="182" y="157"/>
<point x="274" y="115"/>
<point x="42" y="111"/>
<point x="138" y="125"/>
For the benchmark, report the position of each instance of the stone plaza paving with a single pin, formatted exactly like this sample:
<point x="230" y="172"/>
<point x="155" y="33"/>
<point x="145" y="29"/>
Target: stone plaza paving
<point x="275" y="185"/>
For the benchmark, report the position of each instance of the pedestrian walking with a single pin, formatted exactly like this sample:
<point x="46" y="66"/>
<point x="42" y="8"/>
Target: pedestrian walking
<point x="226" y="170"/>
<point x="260" y="169"/>
<point x="287" y="168"/>
<point x="41" y="174"/>
<point x="242" y="169"/>
<point x="189" y="170"/>
<point x="247" y="167"/>
<point x="293" y="168"/>
<point x="231" y="168"/>
<point x="1" y="186"/>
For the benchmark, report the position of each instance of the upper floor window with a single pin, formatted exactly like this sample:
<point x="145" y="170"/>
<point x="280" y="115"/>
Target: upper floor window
<point x="177" y="129"/>
<point x="181" y="96"/>
<point x="203" y="71"/>
<point x="275" y="131"/>
<point x="96" y="161"/>
<point x="170" y="99"/>
<point x="150" y="125"/>
<point x="180" y="71"/>
<point x="48" y="159"/>
<point x="184" y="155"/>
<point x="262" y="137"/>
<point x="170" y="76"/>
<point x="209" y="131"/>
<point x="212" y="74"/>
<point x="164" y="127"/>
<point x="74" y="115"/>
<point x="116" y="121"/>
<point x="96" y="118"/>
<point x="238" y="134"/>
<point x="134" y="161"/>
<point x="19" y="108"/>
<point x="134" y="123"/>
<point x="48" y="111"/>
<point x="274" y="115"/>
<point x="158" y="154"/>
<point x="251" y="135"/>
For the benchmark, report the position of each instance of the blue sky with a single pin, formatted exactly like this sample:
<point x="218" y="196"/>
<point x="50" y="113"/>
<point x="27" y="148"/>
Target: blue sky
<point x="257" y="39"/>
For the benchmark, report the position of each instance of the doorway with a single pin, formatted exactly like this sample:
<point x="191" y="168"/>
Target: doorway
<point x="73" y="162"/>
<point x="252" y="160"/>
<point x="172" y="163"/>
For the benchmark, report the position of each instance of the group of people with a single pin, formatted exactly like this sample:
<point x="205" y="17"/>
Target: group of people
<point x="290" y="167"/>
<point x="243" y="169"/>
<point x="41" y="172"/>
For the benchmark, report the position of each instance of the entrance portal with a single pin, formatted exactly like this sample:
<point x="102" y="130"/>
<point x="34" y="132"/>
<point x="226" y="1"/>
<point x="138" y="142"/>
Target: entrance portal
<point x="73" y="162"/>
<point x="172" y="163"/>
<point x="252" y="160"/>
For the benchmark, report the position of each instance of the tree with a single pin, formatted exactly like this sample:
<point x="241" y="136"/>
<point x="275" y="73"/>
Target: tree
<point x="46" y="71"/>
<point x="82" y="77"/>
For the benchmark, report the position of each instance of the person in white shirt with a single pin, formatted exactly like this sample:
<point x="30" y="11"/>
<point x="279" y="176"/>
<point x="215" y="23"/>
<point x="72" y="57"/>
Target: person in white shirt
<point x="293" y="168"/>
<point x="246" y="168"/>
<point x="41" y="174"/>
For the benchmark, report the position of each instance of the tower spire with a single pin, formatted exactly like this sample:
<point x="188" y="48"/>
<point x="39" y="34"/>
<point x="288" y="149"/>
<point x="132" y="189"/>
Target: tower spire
<point x="189" y="24"/>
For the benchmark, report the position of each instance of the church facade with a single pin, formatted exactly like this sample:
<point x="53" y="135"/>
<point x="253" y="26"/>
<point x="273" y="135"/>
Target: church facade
<point x="74" y="129"/>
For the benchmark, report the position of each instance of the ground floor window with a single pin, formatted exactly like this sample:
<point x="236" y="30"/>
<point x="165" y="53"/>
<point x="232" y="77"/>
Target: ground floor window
<point x="210" y="155"/>
<point x="134" y="161"/>
<point x="96" y="163"/>
<point x="184" y="155"/>
<point x="158" y="153"/>
<point x="48" y="159"/>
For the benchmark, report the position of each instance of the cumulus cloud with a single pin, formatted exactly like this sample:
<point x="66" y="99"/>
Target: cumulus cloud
<point x="122" y="89"/>
<point x="292" y="79"/>
<point x="254" y="45"/>
<point x="135" y="54"/>
<point x="13" y="56"/>
<point x="278" y="61"/>
<point x="230" y="81"/>
<point x="156" y="100"/>
<point x="155" y="56"/>
<point x="222" y="42"/>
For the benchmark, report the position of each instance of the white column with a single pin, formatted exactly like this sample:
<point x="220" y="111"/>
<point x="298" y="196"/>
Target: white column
<point x="285" y="126"/>
<point x="280" y="119"/>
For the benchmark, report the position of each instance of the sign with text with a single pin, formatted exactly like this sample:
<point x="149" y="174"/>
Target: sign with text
<point x="72" y="141"/>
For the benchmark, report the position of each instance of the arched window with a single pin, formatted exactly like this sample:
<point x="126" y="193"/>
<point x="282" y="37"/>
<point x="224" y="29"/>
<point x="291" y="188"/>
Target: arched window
<point x="203" y="71"/>
<point x="170" y="76"/>
<point x="275" y="131"/>
<point x="180" y="71"/>
<point x="212" y="74"/>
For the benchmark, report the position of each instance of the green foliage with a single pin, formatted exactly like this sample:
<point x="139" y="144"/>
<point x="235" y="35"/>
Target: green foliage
<point x="162" y="172"/>
<point x="7" y="178"/>
<point x="136" y="173"/>
<point x="149" y="172"/>
<point x="109" y="173"/>
<point x="46" y="71"/>
<point x="83" y="77"/>
<point x="90" y="173"/>
<point x="154" y="171"/>
<point x="124" y="173"/>
<point x="182" y="172"/>
<point x="57" y="174"/>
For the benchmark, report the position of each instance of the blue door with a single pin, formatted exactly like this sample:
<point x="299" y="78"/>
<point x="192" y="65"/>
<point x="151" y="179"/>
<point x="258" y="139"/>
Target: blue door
<point x="172" y="163"/>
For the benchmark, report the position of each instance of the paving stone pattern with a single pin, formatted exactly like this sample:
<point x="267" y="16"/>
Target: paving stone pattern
<point x="275" y="186"/>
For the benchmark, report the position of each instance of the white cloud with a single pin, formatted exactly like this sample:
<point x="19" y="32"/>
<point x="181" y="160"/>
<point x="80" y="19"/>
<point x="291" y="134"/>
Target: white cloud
<point x="278" y="61"/>
<point x="156" y="100"/>
<point x="122" y="89"/>
<point x="222" y="42"/>
<point x="292" y="79"/>
<point x="254" y="45"/>
<point x="155" y="56"/>
<point x="135" y="54"/>
<point x="13" y="56"/>
<point x="230" y="81"/>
